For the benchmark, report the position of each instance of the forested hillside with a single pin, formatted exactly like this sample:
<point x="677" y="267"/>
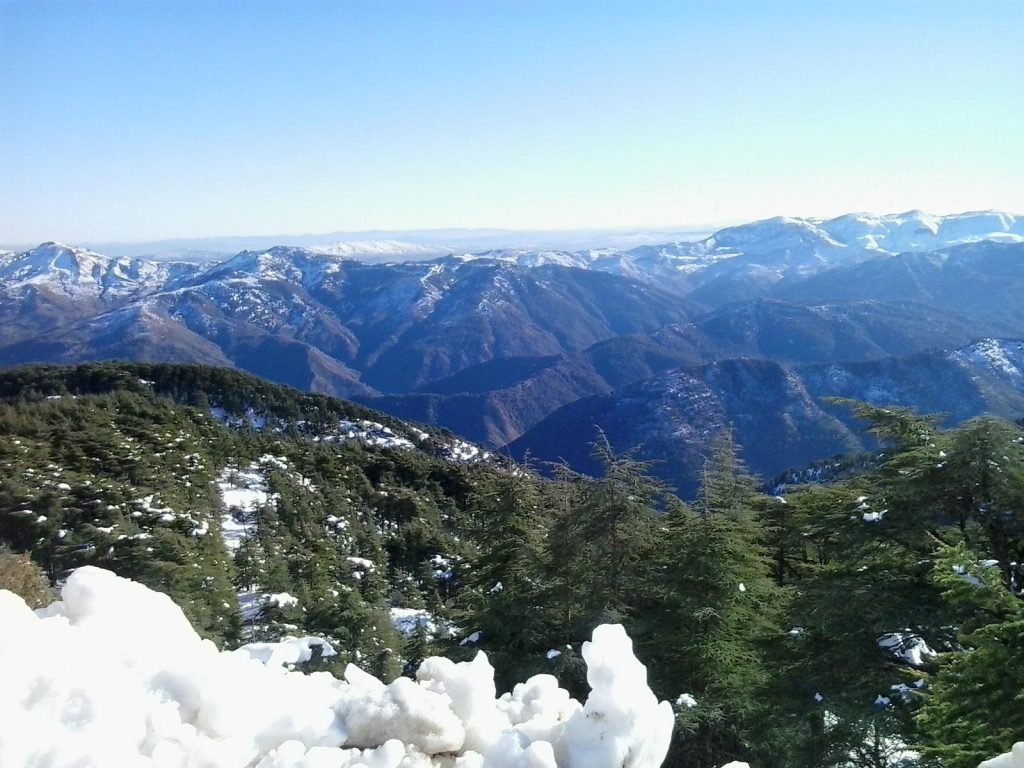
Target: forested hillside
<point x="868" y="621"/>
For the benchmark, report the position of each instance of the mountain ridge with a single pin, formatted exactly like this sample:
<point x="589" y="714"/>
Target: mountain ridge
<point x="493" y="343"/>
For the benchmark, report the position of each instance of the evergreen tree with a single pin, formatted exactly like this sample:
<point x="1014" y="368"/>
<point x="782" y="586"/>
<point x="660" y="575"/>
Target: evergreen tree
<point x="972" y="707"/>
<point x="714" y="611"/>
<point x="617" y="523"/>
<point x="503" y="591"/>
<point x="599" y="552"/>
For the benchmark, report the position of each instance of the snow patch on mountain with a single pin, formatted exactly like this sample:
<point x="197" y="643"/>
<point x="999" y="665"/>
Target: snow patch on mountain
<point x="433" y="286"/>
<point x="1000" y="356"/>
<point x="919" y="231"/>
<point x="372" y="251"/>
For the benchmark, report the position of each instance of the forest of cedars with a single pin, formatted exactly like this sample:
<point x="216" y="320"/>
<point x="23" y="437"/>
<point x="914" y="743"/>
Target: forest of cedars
<point x="767" y="610"/>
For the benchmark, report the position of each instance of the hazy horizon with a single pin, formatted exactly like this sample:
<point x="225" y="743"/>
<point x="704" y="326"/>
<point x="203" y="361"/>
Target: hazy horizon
<point x="449" y="239"/>
<point x="143" y="122"/>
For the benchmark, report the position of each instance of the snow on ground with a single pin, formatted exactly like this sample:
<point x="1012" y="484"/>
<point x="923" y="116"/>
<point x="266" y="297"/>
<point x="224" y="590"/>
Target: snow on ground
<point x="251" y="603"/>
<point x="407" y="620"/>
<point x="460" y="450"/>
<point x="908" y="647"/>
<point x="242" y="492"/>
<point x="1002" y="357"/>
<point x="250" y="419"/>
<point x="113" y="674"/>
<point x="371" y="433"/>
<point x="287" y="652"/>
<point x="367" y="432"/>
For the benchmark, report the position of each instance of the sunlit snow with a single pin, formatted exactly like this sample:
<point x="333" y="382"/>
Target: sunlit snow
<point x="113" y="675"/>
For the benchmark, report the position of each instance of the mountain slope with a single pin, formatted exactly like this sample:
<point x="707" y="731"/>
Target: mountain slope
<point x="985" y="278"/>
<point x="491" y="343"/>
<point x="858" y="330"/>
<point x="777" y="412"/>
<point x="500" y="311"/>
<point x="495" y="402"/>
<point x="261" y="509"/>
<point x="671" y="419"/>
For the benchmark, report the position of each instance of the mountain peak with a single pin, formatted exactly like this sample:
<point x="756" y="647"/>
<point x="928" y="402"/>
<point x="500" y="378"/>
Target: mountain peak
<point x="56" y="261"/>
<point x="279" y="263"/>
<point x="79" y="272"/>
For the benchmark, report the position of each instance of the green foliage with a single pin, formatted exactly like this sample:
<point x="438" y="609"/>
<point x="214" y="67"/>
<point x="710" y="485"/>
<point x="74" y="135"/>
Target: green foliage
<point x="972" y="710"/>
<point x="714" y="610"/>
<point x="599" y="545"/>
<point x="767" y="610"/>
<point x="502" y="597"/>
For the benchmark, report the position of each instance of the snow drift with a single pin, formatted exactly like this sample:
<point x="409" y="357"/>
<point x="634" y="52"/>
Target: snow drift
<point x="113" y="674"/>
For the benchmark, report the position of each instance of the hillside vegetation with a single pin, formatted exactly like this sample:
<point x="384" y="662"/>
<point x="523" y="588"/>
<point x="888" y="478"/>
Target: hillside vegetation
<point x="870" y="621"/>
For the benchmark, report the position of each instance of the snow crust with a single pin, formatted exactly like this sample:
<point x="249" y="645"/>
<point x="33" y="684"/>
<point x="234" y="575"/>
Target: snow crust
<point x="113" y="674"/>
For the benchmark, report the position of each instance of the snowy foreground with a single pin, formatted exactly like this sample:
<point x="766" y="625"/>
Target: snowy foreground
<point x="1012" y="759"/>
<point x="114" y="675"/>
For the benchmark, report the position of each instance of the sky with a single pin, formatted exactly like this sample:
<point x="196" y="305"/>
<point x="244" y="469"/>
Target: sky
<point x="148" y="119"/>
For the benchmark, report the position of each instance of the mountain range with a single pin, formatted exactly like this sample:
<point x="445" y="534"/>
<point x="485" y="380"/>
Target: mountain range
<point x="659" y="345"/>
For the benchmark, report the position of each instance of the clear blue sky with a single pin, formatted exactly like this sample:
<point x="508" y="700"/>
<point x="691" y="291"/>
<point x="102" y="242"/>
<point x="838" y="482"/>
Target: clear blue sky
<point x="141" y="119"/>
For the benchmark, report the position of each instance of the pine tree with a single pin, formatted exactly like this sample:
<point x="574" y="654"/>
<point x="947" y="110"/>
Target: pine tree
<point x="502" y="595"/>
<point x="972" y="707"/>
<point x="715" y="609"/>
<point x="617" y="522"/>
<point x="875" y="541"/>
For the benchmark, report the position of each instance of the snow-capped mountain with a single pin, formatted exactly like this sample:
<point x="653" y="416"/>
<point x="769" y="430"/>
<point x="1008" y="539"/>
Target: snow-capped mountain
<point x="784" y="245"/>
<point x="525" y="257"/>
<point x="764" y="252"/>
<point x="773" y="249"/>
<point x="918" y="231"/>
<point x="282" y="263"/>
<point x="79" y="272"/>
<point x="378" y="251"/>
<point x="316" y="320"/>
<point x="856" y="232"/>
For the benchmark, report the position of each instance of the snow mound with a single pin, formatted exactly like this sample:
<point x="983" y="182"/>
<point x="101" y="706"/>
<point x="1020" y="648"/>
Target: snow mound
<point x="1012" y="759"/>
<point x="113" y="674"/>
